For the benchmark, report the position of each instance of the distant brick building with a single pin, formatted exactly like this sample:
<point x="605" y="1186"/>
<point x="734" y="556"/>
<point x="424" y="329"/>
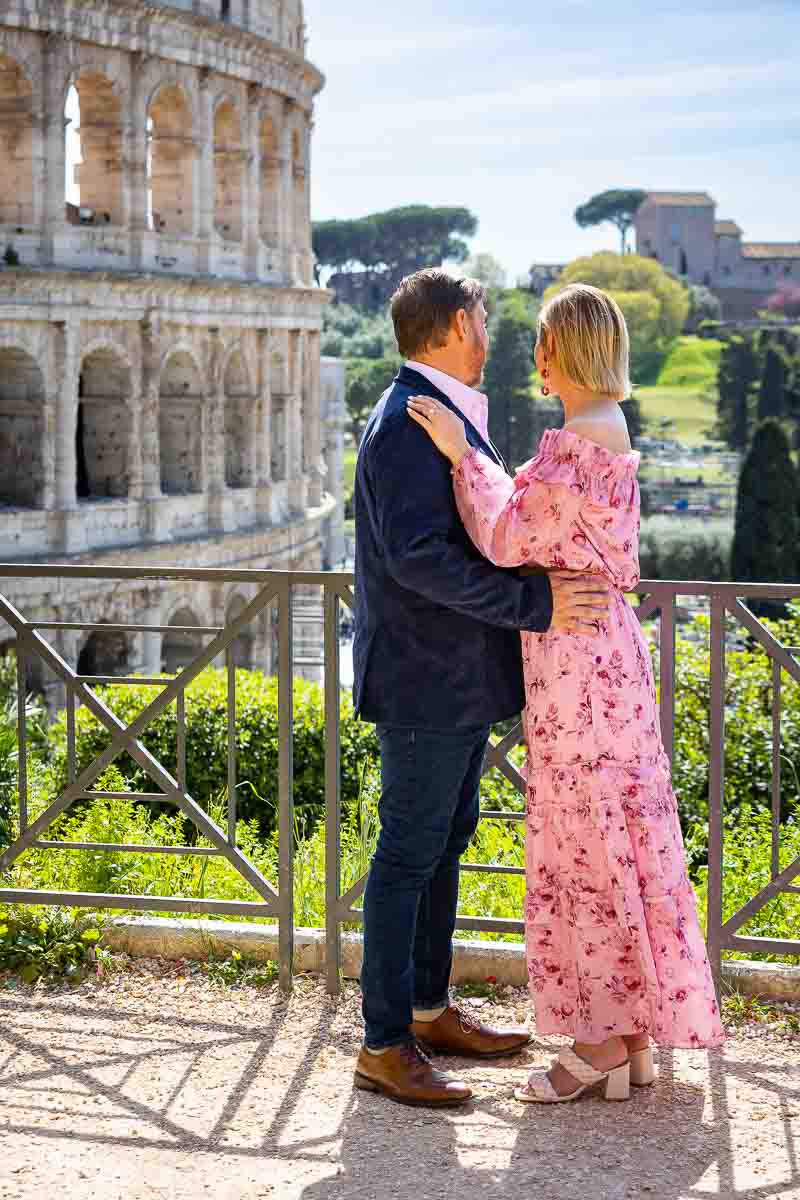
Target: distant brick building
<point x="681" y="230"/>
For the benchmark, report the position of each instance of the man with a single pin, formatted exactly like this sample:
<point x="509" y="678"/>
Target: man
<point x="437" y="660"/>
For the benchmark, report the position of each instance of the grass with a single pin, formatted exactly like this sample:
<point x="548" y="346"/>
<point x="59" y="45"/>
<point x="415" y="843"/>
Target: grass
<point x="350" y="456"/>
<point x="682" y="414"/>
<point x="682" y="404"/>
<point x="692" y="362"/>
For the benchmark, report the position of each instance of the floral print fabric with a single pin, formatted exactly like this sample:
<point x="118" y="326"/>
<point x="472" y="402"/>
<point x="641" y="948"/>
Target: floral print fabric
<point x="613" y="940"/>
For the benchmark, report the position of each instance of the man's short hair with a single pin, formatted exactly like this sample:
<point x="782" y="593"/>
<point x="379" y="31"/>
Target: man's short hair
<point x="424" y="307"/>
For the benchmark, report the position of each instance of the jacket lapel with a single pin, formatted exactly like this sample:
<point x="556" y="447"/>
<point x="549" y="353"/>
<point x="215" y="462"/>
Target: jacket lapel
<point x="423" y="387"/>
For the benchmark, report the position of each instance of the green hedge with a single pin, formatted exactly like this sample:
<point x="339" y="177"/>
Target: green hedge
<point x="206" y="743"/>
<point x="688" y="548"/>
<point x="748" y="725"/>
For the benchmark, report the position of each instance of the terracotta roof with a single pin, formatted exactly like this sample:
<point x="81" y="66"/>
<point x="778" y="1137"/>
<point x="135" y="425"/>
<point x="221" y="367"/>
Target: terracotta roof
<point x="681" y="199"/>
<point x="771" y="250"/>
<point x="727" y="227"/>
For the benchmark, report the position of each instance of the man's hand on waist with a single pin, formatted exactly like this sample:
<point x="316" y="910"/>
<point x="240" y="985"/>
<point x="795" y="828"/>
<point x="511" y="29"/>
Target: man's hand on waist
<point x="581" y="602"/>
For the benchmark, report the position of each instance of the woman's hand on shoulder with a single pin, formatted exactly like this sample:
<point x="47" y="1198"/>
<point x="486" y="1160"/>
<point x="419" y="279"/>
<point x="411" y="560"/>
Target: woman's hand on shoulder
<point x="444" y="427"/>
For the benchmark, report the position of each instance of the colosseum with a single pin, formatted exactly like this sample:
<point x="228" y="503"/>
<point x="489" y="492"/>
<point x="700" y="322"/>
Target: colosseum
<point x="160" y="372"/>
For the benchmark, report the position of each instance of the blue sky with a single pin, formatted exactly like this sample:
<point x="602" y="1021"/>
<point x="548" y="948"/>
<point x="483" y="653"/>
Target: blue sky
<point x="521" y="111"/>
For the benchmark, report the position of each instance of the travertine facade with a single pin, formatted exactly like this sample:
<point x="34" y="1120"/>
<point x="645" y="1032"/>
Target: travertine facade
<point x="160" y="389"/>
<point x="681" y="230"/>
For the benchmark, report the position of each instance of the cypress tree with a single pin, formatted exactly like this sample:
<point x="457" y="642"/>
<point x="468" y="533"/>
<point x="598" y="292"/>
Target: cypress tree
<point x="508" y="385"/>
<point x="765" y="540"/>
<point x="738" y="373"/>
<point x="772" y="392"/>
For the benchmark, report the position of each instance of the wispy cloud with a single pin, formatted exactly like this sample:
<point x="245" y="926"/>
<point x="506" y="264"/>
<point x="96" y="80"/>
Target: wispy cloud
<point x="522" y="111"/>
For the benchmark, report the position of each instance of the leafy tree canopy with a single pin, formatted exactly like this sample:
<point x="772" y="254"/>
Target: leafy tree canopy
<point x="618" y="207"/>
<point x="654" y="303"/>
<point x="487" y="269"/>
<point x="508" y="378"/>
<point x="367" y="380"/>
<point x="392" y="244"/>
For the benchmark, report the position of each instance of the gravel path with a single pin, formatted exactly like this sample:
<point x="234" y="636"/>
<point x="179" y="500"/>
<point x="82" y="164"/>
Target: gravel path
<point x="157" y="1083"/>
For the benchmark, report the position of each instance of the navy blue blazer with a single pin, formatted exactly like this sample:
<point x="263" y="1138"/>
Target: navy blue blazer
<point x="437" y="641"/>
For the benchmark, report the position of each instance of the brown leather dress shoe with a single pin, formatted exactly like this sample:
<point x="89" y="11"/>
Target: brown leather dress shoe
<point x="456" y="1031"/>
<point x="404" y="1074"/>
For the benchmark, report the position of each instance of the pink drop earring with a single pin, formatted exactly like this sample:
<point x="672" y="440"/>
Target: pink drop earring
<point x="545" y="377"/>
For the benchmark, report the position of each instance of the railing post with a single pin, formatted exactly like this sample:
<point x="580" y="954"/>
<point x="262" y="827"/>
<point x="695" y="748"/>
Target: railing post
<point x="716" y="789"/>
<point x="776" y="766"/>
<point x="333" y="797"/>
<point x="667" y="674"/>
<point x="22" y="732"/>
<point x="286" y="785"/>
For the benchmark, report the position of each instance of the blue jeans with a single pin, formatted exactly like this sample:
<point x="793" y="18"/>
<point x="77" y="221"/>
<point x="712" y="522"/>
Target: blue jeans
<point x="429" y="810"/>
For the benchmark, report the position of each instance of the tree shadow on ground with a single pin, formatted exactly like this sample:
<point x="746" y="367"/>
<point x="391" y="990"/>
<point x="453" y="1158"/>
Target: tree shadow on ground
<point x="275" y="1102"/>
<point x="655" y="1145"/>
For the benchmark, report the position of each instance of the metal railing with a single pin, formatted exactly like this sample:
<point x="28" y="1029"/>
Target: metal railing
<point x="657" y="601"/>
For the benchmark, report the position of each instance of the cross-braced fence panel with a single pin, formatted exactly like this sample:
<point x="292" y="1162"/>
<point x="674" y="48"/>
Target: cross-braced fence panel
<point x="170" y="779"/>
<point x="289" y="594"/>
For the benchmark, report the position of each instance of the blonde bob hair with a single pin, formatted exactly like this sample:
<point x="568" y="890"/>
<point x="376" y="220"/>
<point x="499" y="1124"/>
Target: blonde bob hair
<point x="584" y="331"/>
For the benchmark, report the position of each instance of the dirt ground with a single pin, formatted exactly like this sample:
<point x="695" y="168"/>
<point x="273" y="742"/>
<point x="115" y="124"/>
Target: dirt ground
<point x="157" y="1083"/>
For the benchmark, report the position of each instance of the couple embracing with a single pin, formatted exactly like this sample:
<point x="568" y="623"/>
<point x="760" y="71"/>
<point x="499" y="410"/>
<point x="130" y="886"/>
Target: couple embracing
<point x="480" y="595"/>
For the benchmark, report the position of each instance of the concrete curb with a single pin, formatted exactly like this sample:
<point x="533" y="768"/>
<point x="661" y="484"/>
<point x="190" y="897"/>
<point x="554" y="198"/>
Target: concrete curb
<point x="475" y="961"/>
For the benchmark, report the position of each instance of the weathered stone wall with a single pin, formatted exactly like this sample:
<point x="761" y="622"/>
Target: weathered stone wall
<point x="182" y="121"/>
<point x="160" y="395"/>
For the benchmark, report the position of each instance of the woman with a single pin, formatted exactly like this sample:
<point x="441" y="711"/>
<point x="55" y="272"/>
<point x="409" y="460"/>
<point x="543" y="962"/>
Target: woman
<point x="615" y="952"/>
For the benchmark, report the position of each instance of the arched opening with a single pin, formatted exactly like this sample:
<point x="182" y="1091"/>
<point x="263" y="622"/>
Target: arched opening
<point x="104" y="654"/>
<point x="684" y="263"/>
<point x="238" y="402"/>
<point x="95" y="151"/>
<point x="242" y="648"/>
<point x="270" y="183"/>
<point x="104" y="426"/>
<point x="170" y="163"/>
<point x="179" y="646"/>
<point x="22" y="402"/>
<point x="228" y="173"/>
<point x="179" y="425"/>
<point x="300" y="214"/>
<point x="16" y="146"/>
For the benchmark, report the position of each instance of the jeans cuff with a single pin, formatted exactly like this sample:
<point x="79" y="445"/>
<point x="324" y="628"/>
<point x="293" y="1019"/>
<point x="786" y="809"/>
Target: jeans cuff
<point x="425" y="1005"/>
<point x="406" y="1040"/>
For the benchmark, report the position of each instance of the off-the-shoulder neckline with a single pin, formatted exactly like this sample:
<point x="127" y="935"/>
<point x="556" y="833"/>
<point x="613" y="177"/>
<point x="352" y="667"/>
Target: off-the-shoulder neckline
<point x="585" y="446"/>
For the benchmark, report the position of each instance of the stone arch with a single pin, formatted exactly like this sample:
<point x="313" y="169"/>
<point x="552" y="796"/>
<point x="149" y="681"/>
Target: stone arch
<point x="104" y="653"/>
<point x="242" y="647"/>
<point x="104" y="424"/>
<point x="94" y="112"/>
<point x="16" y="145"/>
<point x="239" y="401"/>
<point x="178" y="647"/>
<point x="181" y="397"/>
<point x="170" y="161"/>
<point x="269" y="215"/>
<point x="22" y="429"/>
<point x="228" y="171"/>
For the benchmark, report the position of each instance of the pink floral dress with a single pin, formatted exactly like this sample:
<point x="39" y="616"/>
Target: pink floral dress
<point x="613" y="940"/>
